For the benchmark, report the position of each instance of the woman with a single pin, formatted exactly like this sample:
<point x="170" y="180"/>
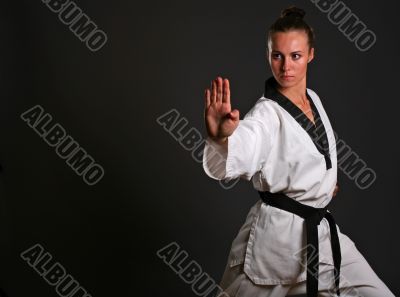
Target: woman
<point x="289" y="243"/>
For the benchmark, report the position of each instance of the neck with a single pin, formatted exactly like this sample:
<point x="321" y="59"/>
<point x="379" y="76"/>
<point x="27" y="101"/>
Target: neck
<point x="296" y="93"/>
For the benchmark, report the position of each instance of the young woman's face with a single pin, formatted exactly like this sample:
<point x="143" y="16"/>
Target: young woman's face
<point x="288" y="55"/>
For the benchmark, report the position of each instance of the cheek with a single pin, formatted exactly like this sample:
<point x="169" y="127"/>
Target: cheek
<point x="302" y="65"/>
<point x="275" y="63"/>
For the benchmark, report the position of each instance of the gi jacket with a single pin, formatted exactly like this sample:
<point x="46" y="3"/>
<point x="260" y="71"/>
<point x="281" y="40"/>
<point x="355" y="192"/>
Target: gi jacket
<point x="280" y="150"/>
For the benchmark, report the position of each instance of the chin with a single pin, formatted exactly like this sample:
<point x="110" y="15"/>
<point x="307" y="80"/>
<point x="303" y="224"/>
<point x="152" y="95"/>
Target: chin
<point x="286" y="84"/>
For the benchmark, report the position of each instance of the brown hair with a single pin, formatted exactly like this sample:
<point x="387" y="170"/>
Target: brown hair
<point x="292" y="19"/>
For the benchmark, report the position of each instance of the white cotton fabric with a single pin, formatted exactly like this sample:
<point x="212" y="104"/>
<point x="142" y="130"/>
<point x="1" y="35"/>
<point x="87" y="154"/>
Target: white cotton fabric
<point x="270" y="148"/>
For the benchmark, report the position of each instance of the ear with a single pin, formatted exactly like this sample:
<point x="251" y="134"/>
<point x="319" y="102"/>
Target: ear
<point x="311" y="55"/>
<point x="267" y="57"/>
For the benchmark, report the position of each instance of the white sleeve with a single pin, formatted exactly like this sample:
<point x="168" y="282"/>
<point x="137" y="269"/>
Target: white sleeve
<point x="246" y="150"/>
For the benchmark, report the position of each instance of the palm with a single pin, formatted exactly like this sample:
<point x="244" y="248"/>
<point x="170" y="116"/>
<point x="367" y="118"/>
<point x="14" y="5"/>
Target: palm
<point x="218" y="123"/>
<point x="220" y="120"/>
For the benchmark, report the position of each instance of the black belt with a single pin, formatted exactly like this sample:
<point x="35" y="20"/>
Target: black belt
<point x="312" y="217"/>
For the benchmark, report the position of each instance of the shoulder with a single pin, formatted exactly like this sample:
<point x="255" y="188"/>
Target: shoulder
<point x="263" y="108"/>
<point x="266" y="112"/>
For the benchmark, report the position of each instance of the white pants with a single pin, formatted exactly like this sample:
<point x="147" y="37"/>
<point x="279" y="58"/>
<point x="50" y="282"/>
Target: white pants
<point x="357" y="279"/>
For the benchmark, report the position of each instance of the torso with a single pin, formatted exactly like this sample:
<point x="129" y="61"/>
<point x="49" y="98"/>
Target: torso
<point x="308" y="112"/>
<point x="306" y="109"/>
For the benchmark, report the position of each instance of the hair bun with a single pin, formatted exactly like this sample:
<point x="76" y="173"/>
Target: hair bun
<point x="293" y="11"/>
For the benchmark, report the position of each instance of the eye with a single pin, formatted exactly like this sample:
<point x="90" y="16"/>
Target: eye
<point x="276" y="56"/>
<point x="296" y="56"/>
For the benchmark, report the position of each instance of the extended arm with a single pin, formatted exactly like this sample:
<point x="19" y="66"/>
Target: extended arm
<point x="234" y="148"/>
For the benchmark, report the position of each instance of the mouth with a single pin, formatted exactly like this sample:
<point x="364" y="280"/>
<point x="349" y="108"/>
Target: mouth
<point x="287" y="77"/>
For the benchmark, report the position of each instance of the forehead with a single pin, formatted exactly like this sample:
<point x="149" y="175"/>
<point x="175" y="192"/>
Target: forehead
<point x="290" y="41"/>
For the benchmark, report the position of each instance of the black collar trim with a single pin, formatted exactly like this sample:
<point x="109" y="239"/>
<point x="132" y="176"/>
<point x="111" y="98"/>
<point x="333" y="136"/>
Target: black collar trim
<point x="317" y="132"/>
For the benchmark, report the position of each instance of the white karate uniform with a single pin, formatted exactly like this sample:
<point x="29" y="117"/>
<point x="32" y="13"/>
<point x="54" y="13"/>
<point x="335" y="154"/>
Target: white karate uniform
<point x="272" y="149"/>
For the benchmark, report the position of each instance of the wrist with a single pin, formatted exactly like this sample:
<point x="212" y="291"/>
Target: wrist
<point x="220" y="140"/>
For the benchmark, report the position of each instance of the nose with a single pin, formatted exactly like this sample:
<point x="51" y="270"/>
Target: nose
<point x="285" y="65"/>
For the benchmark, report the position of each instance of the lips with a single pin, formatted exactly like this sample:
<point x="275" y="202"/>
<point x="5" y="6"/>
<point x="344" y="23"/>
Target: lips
<point x="287" y="77"/>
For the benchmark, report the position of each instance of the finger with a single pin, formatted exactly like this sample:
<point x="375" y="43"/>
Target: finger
<point x="207" y="98"/>
<point x="219" y="89"/>
<point x="213" y="92"/>
<point x="226" y="98"/>
<point x="234" y="114"/>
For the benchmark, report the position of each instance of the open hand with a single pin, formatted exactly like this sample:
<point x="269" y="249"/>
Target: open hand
<point x="219" y="118"/>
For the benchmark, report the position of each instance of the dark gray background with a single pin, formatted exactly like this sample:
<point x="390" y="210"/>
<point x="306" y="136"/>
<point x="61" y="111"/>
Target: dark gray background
<point x="160" y="56"/>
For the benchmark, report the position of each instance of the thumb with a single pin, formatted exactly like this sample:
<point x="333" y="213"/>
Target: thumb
<point x="234" y="114"/>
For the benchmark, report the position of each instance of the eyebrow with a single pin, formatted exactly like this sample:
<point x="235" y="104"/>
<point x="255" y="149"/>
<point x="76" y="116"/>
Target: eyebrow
<point x="291" y="52"/>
